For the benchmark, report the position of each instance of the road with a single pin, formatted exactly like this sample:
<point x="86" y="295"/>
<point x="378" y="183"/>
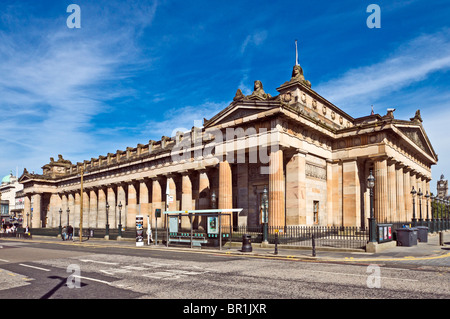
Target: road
<point x="34" y="270"/>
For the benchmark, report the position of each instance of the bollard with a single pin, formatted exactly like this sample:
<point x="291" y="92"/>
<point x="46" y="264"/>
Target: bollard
<point x="441" y="238"/>
<point x="313" y="246"/>
<point x="276" y="244"/>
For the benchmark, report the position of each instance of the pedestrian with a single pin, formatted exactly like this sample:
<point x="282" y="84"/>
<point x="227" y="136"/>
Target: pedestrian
<point x="64" y="233"/>
<point x="70" y="232"/>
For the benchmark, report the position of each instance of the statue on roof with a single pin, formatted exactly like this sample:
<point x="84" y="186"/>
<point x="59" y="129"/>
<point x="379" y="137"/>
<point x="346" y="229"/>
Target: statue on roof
<point x="258" y="92"/>
<point x="297" y="75"/>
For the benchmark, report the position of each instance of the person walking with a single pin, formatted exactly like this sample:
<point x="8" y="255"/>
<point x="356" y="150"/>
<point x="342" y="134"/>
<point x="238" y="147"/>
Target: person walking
<point x="70" y="232"/>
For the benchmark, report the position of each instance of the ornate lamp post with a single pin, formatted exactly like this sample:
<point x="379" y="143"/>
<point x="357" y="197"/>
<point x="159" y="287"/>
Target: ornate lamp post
<point x="265" y="219"/>
<point x="419" y="195"/>
<point x="427" y="196"/>
<point x="372" y="221"/>
<point x="60" y="228"/>
<point x="438" y="214"/>
<point x="120" y="220"/>
<point x="107" y="222"/>
<point x="213" y="200"/>
<point x="413" y="193"/>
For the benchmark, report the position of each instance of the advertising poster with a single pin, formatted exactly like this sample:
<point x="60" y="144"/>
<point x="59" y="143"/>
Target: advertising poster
<point x="213" y="225"/>
<point x="139" y="230"/>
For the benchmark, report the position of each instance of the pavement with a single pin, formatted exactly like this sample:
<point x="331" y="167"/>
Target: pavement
<point x="424" y="254"/>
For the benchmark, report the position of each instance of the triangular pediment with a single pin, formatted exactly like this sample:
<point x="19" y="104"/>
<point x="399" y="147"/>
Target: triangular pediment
<point x="240" y="110"/>
<point x="417" y="135"/>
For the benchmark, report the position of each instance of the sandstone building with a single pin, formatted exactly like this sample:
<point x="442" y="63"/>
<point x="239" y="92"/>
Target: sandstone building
<point x="313" y="158"/>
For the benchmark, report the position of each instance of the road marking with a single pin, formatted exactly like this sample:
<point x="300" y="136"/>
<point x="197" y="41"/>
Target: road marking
<point x="357" y="275"/>
<point x="38" y="268"/>
<point x="4" y="260"/>
<point x="93" y="279"/>
<point x="98" y="262"/>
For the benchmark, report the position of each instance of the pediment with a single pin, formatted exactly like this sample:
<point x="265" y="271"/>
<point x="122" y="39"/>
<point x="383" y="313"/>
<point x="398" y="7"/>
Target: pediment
<point x="240" y="110"/>
<point x="416" y="135"/>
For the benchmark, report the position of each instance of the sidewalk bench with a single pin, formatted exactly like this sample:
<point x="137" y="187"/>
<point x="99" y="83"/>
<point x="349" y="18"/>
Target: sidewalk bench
<point x="197" y="238"/>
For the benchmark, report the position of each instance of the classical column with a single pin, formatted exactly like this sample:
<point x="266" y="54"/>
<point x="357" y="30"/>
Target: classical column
<point x="71" y="205"/>
<point x="186" y="198"/>
<point x="111" y="200"/>
<point x="101" y="208"/>
<point x="392" y="192"/>
<point x="53" y="215"/>
<point x="36" y="220"/>
<point x="132" y="206"/>
<point x="381" y="190"/>
<point x="330" y="206"/>
<point x="172" y="201"/>
<point x="77" y="211"/>
<point x="203" y="190"/>
<point x="156" y="201"/>
<point x="144" y="205"/>
<point x="93" y="209"/>
<point x="85" y="208"/>
<point x="400" y="193"/>
<point x="276" y="189"/>
<point x="225" y="193"/>
<point x="296" y="190"/>
<point x="64" y="206"/>
<point x="27" y="210"/>
<point x="351" y="194"/>
<point x="407" y="194"/>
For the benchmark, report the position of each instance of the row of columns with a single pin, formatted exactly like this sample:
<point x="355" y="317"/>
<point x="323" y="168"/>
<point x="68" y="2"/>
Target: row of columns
<point x="137" y="197"/>
<point x="392" y="194"/>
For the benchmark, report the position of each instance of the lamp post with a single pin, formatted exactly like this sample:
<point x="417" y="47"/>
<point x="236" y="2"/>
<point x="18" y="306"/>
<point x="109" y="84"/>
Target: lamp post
<point x="265" y="219"/>
<point x="427" y="196"/>
<point x="438" y="213"/>
<point x="413" y="193"/>
<point x="107" y="222"/>
<point x="433" y="212"/>
<point x="68" y="211"/>
<point x="120" y="221"/>
<point x="28" y="220"/>
<point x="213" y="200"/>
<point x="419" y="196"/>
<point x="372" y="221"/>
<point x="60" y="228"/>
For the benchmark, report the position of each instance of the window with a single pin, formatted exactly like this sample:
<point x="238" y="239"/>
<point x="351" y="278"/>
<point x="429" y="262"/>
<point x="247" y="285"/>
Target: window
<point x="316" y="212"/>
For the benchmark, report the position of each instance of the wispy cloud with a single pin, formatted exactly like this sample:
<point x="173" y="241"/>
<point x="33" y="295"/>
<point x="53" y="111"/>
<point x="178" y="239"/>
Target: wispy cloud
<point x="412" y="62"/>
<point x="54" y="84"/>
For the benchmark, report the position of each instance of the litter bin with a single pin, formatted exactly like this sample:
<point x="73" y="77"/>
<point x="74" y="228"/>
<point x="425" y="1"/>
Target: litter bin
<point x="406" y="237"/>
<point x="246" y="243"/>
<point x="422" y="234"/>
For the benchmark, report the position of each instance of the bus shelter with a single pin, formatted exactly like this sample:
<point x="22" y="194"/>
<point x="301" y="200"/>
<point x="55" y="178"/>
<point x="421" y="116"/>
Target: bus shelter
<point x="214" y="230"/>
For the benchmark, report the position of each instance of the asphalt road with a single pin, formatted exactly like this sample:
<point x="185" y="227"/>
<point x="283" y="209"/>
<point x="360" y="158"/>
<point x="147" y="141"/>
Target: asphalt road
<point x="31" y="270"/>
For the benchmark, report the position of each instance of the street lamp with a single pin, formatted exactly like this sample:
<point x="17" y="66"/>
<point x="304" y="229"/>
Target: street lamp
<point x="413" y="193"/>
<point x="120" y="220"/>
<point x="427" y="196"/>
<point x="107" y="221"/>
<point x="265" y="219"/>
<point x="372" y="221"/>
<point x="419" y="195"/>
<point x="60" y="228"/>
<point x="213" y="199"/>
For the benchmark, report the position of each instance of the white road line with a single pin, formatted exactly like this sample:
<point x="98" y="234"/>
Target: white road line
<point x="93" y="279"/>
<point x="98" y="262"/>
<point x="4" y="260"/>
<point x="39" y="268"/>
<point x="357" y="275"/>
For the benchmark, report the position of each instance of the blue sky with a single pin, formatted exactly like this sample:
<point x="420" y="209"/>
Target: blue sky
<point x="137" y="70"/>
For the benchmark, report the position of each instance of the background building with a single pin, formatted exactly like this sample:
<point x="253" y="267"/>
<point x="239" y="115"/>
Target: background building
<point x="8" y="189"/>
